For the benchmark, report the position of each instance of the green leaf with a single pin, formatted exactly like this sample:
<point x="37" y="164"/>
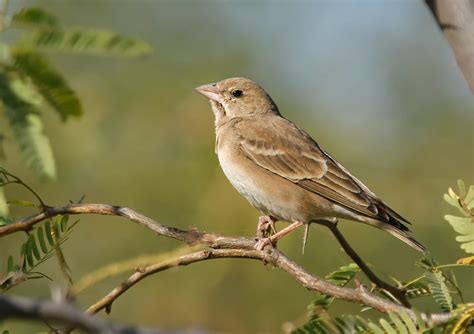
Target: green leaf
<point x="465" y="227"/>
<point x="24" y="203"/>
<point x="451" y="201"/>
<point x="462" y="189"/>
<point x="345" y="325"/>
<point x="386" y="326"/>
<point x="49" y="236"/>
<point x="20" y="100"/>
<point x="10" y="264"/>
<point x="57" y="228"/>
<point x="42" y="240"/>
<point x="321" y="300"/>
<point x="398" y="323"/>
<point x="64" y="222"/>
<point x="427" y="262"/>
<point x="340" y="277"/>
<point x="23" y="89"/>
<point x="3" y="204"/>
<point x="469" y="199"/>
<point x="319" y="320"/>
<point x="344" y="274"/>
<point x="35" y="147"/>
<point x="34" y="247"/>
<point x="29" y="252"/>
<point x="459" y="223"/>
<point x="50" y="84"/>
<point x="422" y="326"/>
<point x="361" y="323"/>
<point x="375" y="329"/>
<point x="35" y="17"/>
<point x="5" y="221"/>
<point x="467" y="246"/>
<point x="441" y="294"/>
<point x="85" y="40"/>
<point x="410" y="325"/>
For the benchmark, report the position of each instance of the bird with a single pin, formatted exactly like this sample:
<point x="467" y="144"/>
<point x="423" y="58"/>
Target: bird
<point x="283" y="172"/>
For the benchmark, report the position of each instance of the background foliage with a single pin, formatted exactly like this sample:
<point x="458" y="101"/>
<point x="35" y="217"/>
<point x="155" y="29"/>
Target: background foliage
<point x="386" y="99"/>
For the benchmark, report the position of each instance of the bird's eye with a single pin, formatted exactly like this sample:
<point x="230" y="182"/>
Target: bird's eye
<point x="237" y="93"/>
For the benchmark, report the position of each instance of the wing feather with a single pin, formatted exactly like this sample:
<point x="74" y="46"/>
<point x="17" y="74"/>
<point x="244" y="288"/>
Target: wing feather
<point x="303" y="162"/>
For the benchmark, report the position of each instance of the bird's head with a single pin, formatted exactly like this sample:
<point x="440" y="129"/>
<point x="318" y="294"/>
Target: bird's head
<point x="237" y="97"/>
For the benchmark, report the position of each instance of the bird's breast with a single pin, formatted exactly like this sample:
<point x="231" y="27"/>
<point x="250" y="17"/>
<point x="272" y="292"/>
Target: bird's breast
<point x="237" y="171"/>
<point x="265" y="191"/>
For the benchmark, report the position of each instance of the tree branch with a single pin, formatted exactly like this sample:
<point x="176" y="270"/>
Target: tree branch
<point x="66" y="313"/>
<point x="394" y="291"/>
<point x="220" y="247"/>
<point x="456" y="20"/>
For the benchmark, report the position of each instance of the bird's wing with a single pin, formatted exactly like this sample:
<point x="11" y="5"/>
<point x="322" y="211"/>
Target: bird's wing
<point x="282" y="148"/>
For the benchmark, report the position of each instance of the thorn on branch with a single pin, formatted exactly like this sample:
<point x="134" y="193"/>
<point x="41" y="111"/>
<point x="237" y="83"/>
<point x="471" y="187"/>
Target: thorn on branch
<point x="140" y="270"/>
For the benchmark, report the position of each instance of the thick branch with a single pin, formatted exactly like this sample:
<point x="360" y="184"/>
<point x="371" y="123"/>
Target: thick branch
<point x="220" y="247"/>
<point x="65" y="313"/>
<point x="456" y="19"/>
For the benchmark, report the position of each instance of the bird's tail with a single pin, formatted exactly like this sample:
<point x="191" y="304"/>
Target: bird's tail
<point x="398" y="233"/>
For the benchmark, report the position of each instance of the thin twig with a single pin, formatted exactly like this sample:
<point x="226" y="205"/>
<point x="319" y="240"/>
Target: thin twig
<point x="443" y="266"/>
<point x="20" y="182"/>
<point x="397" y="293"/>
<point x="137" y="264"/>
<point x="63" y="266"/>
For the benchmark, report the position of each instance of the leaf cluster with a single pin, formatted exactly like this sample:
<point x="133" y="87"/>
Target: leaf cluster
<point x="319" y="320"/>
<point x="41" y="244"/>
<point x="30" y="85"/>
<point x="463" y="200"/>
<point x="438" y="282"/>
<point x="7" y="178"/>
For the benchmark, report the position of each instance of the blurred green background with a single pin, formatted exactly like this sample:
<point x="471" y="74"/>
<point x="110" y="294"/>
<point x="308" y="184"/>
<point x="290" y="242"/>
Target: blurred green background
<point x="374" y="82"/>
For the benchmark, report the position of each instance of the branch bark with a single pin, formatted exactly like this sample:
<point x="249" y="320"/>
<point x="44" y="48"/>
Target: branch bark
<point x="456" y="20"/>
<point x="65" y="313"/>
<point x="219" y="247"/>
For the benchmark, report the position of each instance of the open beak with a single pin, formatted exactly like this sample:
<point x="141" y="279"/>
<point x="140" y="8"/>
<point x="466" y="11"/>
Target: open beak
<point x="210" y="91"/>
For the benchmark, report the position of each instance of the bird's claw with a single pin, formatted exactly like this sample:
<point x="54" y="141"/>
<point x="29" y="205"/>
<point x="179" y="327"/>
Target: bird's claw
<point x="263" y="243"/>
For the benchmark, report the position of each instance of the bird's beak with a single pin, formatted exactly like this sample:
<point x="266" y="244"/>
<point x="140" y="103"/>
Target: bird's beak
<point x="210" y="91"/>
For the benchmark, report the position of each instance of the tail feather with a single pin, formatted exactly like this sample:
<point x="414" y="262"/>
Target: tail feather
<point x="394" y="223"/>
<point x="395" y="230"/>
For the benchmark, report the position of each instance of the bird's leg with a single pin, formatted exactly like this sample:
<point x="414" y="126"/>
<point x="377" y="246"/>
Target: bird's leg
<point x="266" y="226"/>
<point x="272" y="240"/>
<point x="396" y="292"/>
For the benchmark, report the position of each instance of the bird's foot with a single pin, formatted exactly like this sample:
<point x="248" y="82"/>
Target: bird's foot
<point x="266" y="226"/>
<point x="263" y="243"/>
<point x="272" y="240"/>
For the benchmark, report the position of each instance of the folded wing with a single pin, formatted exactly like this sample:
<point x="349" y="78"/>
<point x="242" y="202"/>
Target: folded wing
<point x="303" y="162"/>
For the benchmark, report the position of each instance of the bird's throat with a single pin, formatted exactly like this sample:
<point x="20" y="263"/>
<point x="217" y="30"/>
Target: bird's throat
<point x="219" y="113"/>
